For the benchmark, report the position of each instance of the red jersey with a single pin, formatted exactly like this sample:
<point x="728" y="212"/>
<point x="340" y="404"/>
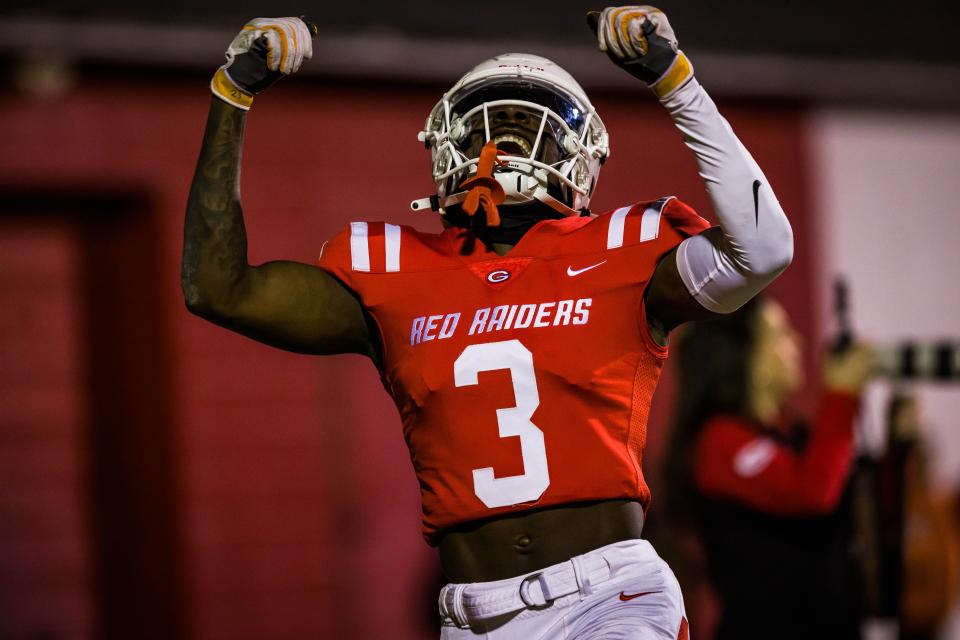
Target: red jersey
<point x="736" y="461"/>
<point x="523" y="381"/>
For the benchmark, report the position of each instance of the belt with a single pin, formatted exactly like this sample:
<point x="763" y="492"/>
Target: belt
<point x="467" y="604"/>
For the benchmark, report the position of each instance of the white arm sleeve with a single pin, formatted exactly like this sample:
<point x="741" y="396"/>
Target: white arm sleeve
<point x="723" y="270"/>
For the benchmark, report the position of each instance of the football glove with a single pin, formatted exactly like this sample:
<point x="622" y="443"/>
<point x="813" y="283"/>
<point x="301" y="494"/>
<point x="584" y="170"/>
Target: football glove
<point x="639" y="39"/>
<point x="265" y="50"/>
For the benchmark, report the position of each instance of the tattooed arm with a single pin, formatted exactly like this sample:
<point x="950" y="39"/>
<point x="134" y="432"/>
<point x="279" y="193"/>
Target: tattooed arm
<point x="289" y="305"/>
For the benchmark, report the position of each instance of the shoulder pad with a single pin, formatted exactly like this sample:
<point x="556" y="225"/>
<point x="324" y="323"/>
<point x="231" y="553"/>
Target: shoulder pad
<point x="644" y="222"/>
<point x="363" y="247"/>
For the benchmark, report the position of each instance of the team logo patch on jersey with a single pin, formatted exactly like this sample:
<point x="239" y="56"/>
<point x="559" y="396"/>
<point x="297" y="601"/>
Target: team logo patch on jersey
<point x="498" y="276"/>
<point x="499" y="273"/>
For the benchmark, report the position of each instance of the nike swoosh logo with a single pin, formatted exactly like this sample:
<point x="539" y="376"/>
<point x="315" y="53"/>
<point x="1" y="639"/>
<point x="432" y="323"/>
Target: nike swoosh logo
<point x="575" y="272"/>
<point x="626" y="598"/>
<point x="756" y="202"/>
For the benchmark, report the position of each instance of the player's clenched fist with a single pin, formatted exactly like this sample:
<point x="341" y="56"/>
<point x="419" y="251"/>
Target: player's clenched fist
<point x="265" y="50"/>
<point x="639" y="39"/>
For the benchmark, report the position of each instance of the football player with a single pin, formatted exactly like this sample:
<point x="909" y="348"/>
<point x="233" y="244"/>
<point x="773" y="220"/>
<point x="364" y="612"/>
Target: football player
<point x="523" y="342"/>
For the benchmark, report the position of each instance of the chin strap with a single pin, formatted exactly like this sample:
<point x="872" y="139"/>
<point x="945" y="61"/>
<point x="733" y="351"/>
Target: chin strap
<point x="486" y="191"/>
<point x="541" y="195"/>
<point x="483" y="189"/>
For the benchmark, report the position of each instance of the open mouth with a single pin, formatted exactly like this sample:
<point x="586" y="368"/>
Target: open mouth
<point x="512" y="144"/>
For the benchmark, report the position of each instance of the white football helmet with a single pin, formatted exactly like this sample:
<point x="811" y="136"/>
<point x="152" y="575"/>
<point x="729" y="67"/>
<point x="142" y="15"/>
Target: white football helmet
<point x="537" y="114"/>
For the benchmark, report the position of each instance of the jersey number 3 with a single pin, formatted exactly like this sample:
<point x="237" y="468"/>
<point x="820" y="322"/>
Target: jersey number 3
<point x="511" y="421"/>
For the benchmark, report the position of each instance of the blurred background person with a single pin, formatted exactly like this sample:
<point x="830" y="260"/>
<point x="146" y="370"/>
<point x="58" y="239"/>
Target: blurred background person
<point x="765" y="489"/>
<point x="154" y="484"/>
<point x="927" y="554"/>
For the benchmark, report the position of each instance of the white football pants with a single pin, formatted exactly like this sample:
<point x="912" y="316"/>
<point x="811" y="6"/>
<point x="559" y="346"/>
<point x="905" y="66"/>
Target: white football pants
<point x="620" y="591"/>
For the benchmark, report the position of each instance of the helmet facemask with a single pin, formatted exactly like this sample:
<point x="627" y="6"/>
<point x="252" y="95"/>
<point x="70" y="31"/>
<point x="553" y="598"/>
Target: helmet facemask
<point x="519" y="131"/>
<point x="551" y="144"/>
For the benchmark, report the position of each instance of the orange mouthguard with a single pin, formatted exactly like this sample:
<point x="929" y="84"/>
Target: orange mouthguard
<point x="483" y="189"/>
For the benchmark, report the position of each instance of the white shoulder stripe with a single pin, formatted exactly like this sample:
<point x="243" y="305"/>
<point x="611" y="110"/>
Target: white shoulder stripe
<point x="359" y="247"/>
<point x="391" y="234"/>
<point x="650" y="222"/>
<point x="615" y="230"/>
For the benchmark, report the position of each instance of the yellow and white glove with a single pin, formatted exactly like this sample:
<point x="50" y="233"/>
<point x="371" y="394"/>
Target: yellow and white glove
<point x="639" y="39"/>
<point x="265" y="50"/>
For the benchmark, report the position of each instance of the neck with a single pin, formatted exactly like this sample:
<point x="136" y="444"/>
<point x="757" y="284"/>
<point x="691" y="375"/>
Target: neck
<point x="515" y="222"/>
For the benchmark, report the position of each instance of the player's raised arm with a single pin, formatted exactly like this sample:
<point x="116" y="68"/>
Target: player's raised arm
<point x="287" y="304"/>
<point x="720" y="269"/>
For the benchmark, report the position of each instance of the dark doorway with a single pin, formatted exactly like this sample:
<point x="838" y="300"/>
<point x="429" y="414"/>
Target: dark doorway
<point x="96" y="307"/>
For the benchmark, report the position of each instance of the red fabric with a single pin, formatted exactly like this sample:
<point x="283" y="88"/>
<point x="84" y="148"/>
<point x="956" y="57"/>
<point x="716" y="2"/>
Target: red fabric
<point x="594" y="373"/>
<point x="735" y="462"/>
<point x="683" y="218"/>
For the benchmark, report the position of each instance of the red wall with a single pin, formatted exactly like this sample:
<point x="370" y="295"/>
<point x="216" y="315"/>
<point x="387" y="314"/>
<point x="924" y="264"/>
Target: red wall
<point x="43" y="527"/>
<point x="299" y="506"/>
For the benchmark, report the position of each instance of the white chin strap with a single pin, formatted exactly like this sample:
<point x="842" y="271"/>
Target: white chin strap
<point x="433" y="203"/>
<point x="541" y="194"/>
<point x="510" y="181"/>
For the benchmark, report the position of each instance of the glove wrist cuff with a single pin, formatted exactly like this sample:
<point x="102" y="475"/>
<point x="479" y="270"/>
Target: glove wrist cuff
<point x="226" y="89"/>
<point x="676" y="75"/>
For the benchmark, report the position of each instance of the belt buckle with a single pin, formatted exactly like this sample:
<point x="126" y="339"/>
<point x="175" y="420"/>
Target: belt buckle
<point x="525" y="590"/>
<point x="451" y="605"/>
